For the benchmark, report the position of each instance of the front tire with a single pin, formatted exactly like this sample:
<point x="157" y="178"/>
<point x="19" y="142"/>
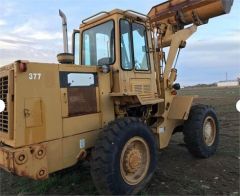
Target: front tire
<point x="124" y="157"/>
<point x="201" y="131"/>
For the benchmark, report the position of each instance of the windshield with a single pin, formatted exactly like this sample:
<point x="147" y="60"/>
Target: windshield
<point x="98" y="45"/>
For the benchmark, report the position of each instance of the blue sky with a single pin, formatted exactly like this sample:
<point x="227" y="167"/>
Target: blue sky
<point x="31" y="30"/>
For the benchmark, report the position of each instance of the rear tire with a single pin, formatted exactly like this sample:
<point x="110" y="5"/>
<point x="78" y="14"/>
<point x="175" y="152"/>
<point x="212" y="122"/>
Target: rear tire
<point x="201" y="131"/>
<point x="124" y="157"/>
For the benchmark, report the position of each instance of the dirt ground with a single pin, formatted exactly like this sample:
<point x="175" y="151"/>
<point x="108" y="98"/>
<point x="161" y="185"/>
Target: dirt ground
<point x="178" y="173"/>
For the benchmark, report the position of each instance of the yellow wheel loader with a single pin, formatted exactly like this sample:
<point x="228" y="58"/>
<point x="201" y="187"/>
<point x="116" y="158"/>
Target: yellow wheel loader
<point x="113" y="99"/>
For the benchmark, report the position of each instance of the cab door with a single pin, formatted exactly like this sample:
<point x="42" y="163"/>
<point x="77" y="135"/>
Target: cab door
<point x="137" y="63"/>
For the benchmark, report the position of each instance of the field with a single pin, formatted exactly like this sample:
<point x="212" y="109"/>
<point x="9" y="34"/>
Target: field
<point x="178" y="173"/>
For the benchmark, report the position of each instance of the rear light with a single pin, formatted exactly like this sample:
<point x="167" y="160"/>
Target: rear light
<point x="22" y="67"/>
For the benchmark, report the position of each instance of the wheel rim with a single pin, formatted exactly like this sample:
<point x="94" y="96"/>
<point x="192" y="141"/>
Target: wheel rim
<point x="209" y="131"/>
<point x="134" y="162"/>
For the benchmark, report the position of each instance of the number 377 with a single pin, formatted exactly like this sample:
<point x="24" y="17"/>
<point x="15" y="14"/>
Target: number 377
<point x="34" y="76"/>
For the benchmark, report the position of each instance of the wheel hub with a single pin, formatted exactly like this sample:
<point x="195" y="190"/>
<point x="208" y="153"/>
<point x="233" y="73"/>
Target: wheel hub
<point x="133" y="160"/>
<point x="209" y="131"/>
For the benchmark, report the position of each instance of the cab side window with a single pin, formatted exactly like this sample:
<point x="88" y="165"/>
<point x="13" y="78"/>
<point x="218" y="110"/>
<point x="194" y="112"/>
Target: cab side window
<point x="141" y="59"/>
<point x="126" y="46"/>
<point x="133" y="46"/>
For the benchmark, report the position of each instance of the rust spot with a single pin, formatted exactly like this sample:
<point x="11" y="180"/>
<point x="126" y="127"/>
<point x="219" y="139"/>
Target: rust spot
<point x="31" y="150"/>
<point x="82" y="155"/>
<point x="82" y="100"/>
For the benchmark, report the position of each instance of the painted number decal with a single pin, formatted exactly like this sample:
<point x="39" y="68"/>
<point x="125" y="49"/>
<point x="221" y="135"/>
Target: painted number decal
<point x="35" y="76"/>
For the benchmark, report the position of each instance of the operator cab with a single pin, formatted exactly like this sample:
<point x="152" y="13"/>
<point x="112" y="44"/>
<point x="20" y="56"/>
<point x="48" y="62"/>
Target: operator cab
<point x="122" y="41"/>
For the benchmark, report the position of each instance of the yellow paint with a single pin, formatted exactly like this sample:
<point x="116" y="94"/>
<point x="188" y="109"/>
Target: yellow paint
<point x="38" y="113"/>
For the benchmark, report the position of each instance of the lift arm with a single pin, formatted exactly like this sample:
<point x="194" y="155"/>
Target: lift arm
<point x="177" y="39"/>
<point x="169" y="20"/>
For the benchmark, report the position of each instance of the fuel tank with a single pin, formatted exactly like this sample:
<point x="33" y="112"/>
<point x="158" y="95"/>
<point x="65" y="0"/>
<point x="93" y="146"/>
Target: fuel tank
<point x="187" y="12"/>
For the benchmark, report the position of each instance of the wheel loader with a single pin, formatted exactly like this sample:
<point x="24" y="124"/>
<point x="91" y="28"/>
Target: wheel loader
<point x="113" y="100"/>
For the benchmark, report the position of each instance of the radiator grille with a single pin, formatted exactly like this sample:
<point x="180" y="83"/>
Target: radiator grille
<point x="139" y="88"/>
<point x="3" y="96"/>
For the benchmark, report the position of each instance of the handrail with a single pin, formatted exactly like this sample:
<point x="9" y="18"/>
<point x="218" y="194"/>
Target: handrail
<point x="103" y="12"/>
<point x="138" y="13"/>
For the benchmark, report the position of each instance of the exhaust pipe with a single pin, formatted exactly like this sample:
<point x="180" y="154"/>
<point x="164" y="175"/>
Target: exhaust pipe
<point x="64" y="28"/>
<point x="66" y="57"/>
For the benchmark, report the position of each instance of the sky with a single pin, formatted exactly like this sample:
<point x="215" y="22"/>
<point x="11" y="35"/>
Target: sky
<point x="31" y="30"/>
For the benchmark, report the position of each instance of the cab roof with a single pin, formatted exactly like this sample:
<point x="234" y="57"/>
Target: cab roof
<point x="102" y="15"/>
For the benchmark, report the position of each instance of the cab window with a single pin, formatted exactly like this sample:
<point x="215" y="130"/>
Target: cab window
<point x="126" y="46"/>
<point x="133" y="46"/>
<point x="141" y="59"/>
<point x="98" y="47"/>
